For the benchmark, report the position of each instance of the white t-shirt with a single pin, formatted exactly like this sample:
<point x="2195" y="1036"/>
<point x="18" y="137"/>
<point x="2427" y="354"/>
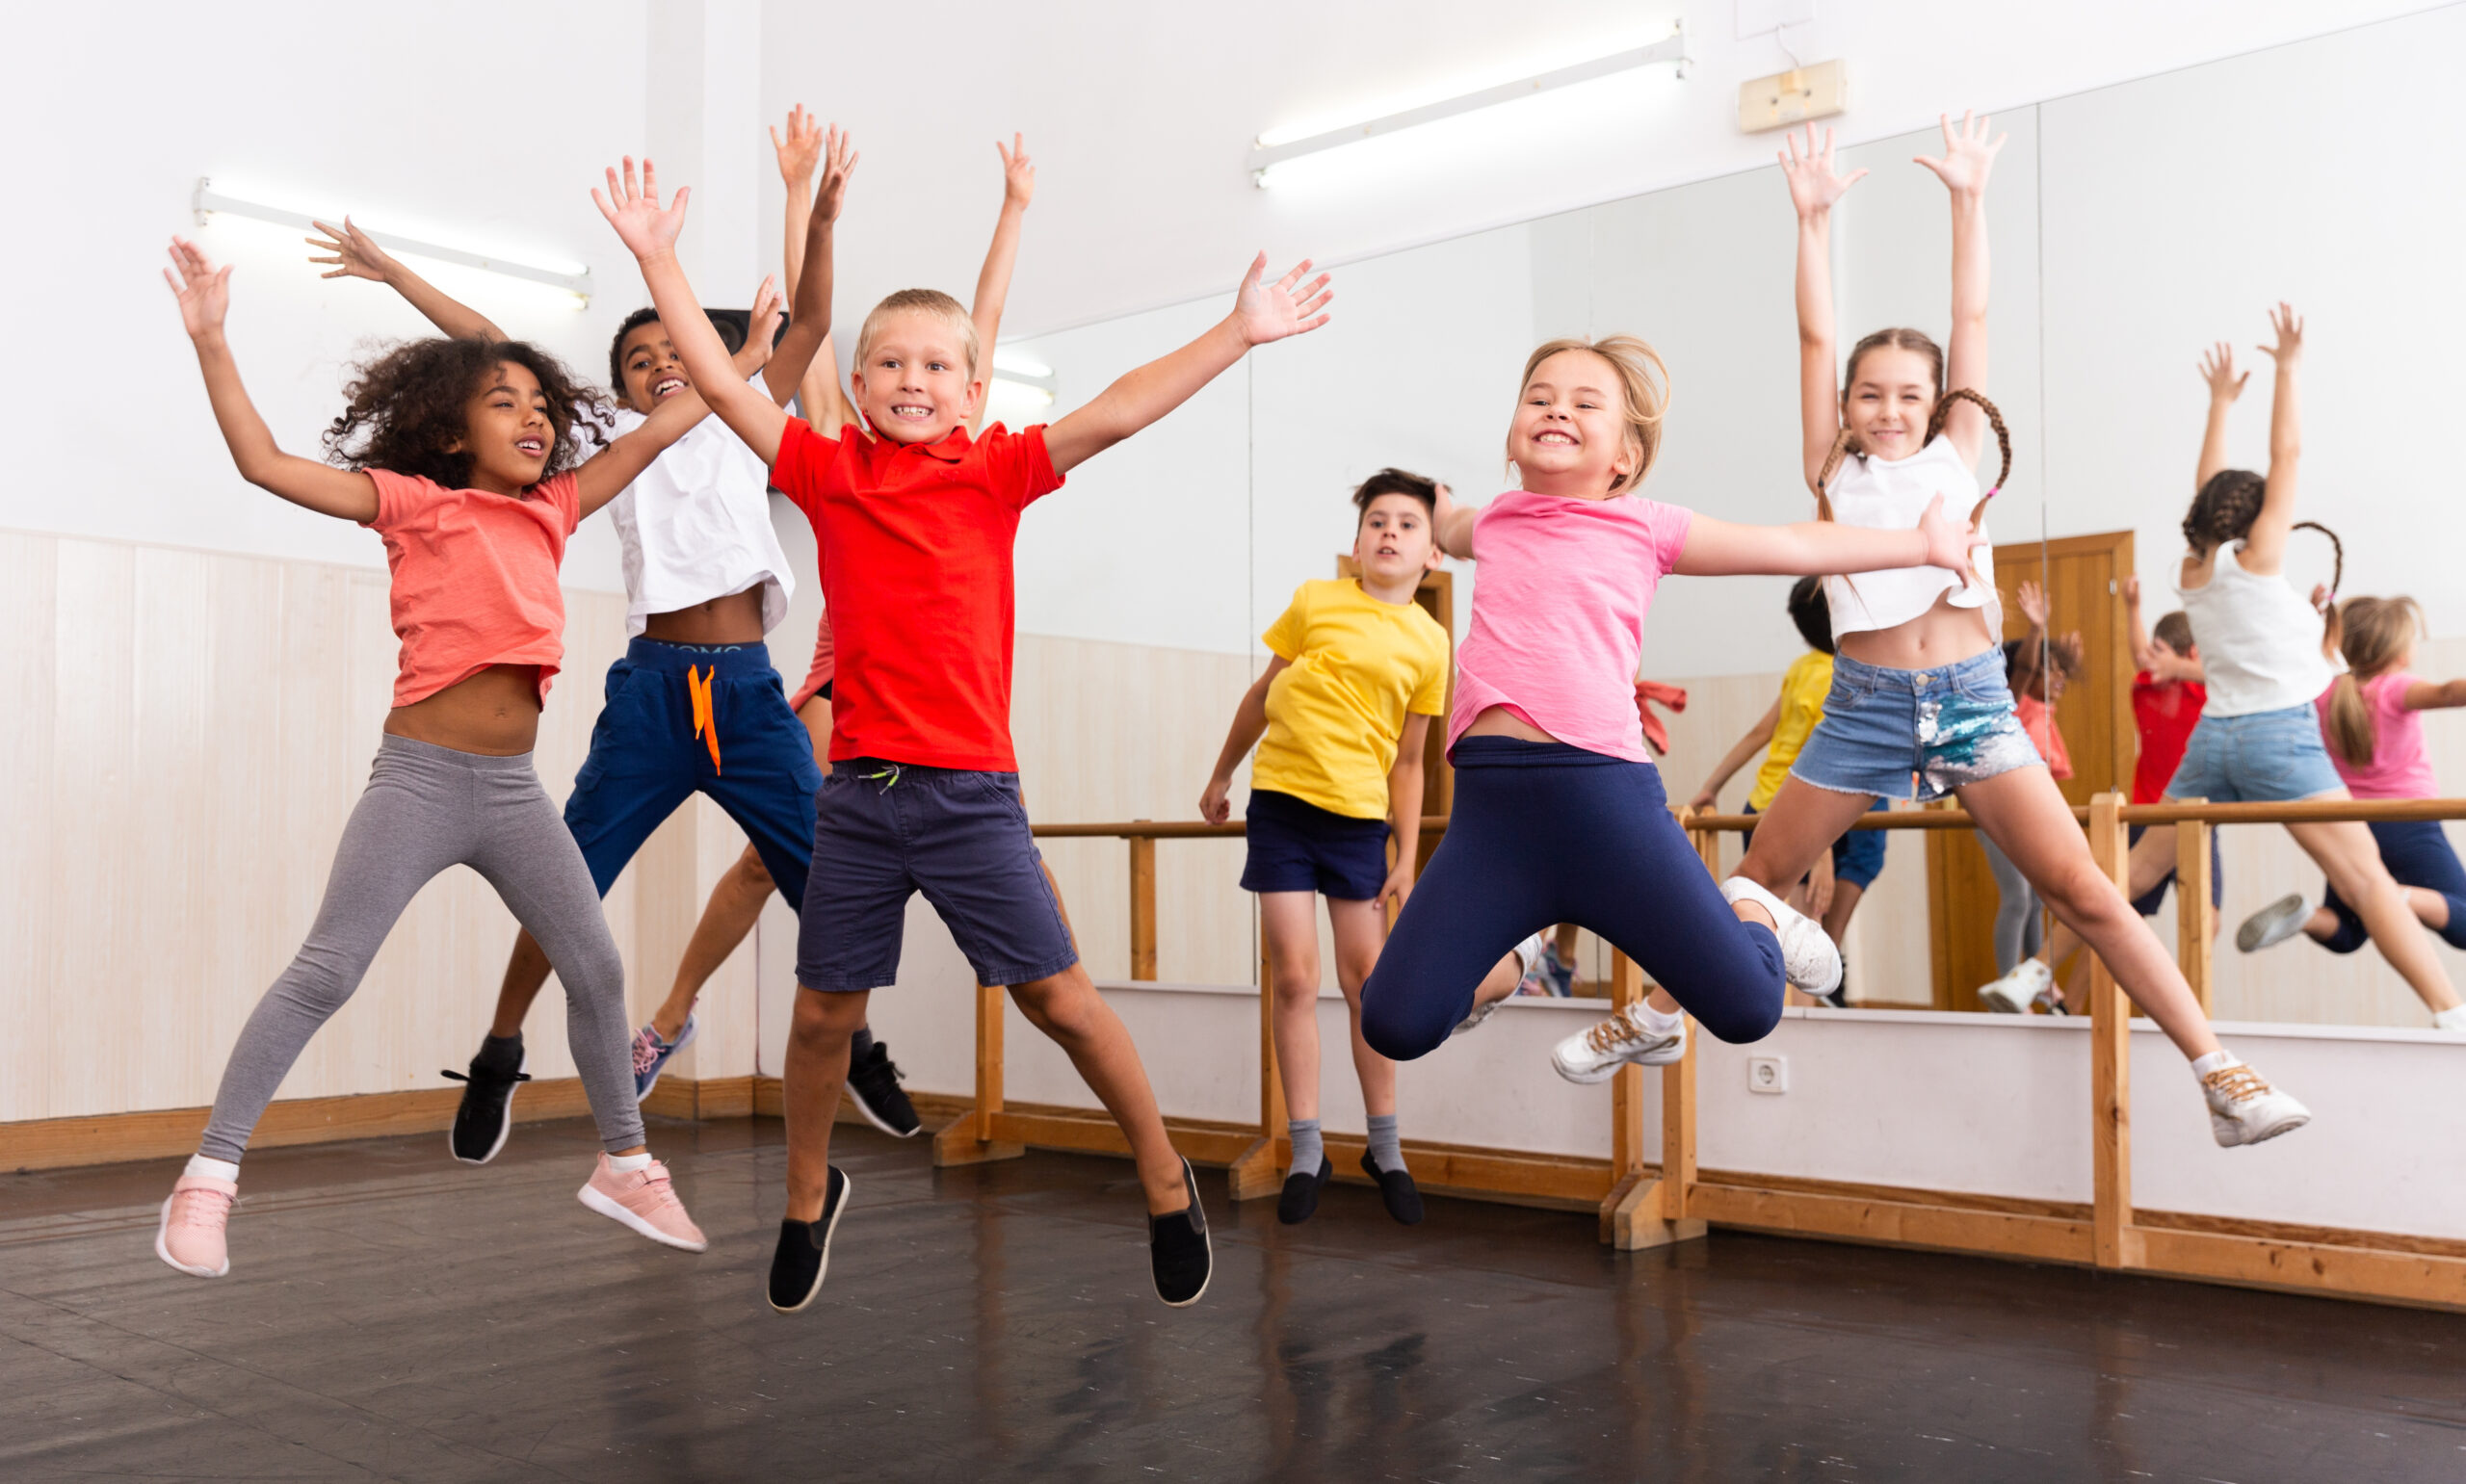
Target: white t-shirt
<point x="2259" y="639"/>
<point x="696" y="525"/>
<point x="1891" y="495"/>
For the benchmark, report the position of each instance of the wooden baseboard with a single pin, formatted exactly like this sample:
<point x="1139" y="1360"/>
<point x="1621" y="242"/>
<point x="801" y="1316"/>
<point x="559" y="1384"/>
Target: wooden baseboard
<point x="160" y="1133"/>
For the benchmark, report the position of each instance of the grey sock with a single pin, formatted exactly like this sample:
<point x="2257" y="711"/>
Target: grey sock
<point x="860" y="1044"/>
<point x="1308" y="1149"/>
<point x="1386" y="1151"/>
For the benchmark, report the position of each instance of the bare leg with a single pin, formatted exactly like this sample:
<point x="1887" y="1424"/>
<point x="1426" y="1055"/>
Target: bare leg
<point x="1360" y="931"/>
<point x="2432" y="909"/>
<point x="735" y="906"/>
<point x="2146" y="865"/>
<point x="1845" y="902"/>
<point x="525" y="972"/>
<point x="1289" y="922"/>
<point x="817" y="1068"/>
<point x="2351" y="858"/>
<point x="1066" y="1007"/>
<point x="1802" y="823"/>
<point x="2026" y="818"/>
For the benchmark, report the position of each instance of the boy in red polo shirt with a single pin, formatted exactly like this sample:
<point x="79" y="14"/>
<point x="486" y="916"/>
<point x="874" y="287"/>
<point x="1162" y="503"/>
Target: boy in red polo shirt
<point x="914" y="523"/>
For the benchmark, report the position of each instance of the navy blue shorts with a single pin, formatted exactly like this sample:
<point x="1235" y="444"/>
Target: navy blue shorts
<point x="646" y="760"/>
<point x="2148" y="902"/>
<point x="883" y="831"/>
<point x="1858" y="856"/>
<point x="1297" y="846"/>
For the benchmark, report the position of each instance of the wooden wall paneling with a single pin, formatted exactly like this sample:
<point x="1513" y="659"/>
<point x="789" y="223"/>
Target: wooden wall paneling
<point x="30" y="883"/>
<point x="93" y="1056"/>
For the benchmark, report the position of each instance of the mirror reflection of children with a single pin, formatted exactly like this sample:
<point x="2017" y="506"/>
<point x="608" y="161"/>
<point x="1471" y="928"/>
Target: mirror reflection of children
<point x="2036" y="668"/>
<point x="1341" y="718"/>
<point x="2371" y="718"/>
<point x="1831" y="892"/>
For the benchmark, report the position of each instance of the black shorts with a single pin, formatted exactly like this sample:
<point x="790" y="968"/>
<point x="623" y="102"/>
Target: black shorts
<point x="1297" y="846"/>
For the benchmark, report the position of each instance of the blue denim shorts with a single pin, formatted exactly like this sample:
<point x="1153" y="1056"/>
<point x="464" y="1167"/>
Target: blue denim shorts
<point x="2266" y="758"/>
<point x="884" y="831"/>
<point x="1294" y="846"/>
<point x="1915" y="734"/>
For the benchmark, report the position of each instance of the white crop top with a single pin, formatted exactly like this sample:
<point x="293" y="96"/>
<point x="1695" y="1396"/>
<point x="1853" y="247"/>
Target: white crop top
<point x="2260" y="642"/>
<point x="1883" y="496"/>
<point x="696" y="525"/>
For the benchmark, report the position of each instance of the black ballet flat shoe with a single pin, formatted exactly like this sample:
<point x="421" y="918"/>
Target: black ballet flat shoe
<point x="1396" y="1187"/>
<point x="1179" y="1251"/>
<point x="1301" y="1195"/>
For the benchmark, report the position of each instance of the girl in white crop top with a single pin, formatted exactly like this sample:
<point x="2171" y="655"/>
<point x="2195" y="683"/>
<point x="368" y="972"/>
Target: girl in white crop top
<point x="2269" y="654"/>
<point x="1919" y="679"/>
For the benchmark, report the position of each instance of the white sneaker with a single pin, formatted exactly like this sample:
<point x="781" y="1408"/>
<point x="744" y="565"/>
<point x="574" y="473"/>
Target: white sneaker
<point x="1593" y="1055"/>
<point x="1809" y="960"/>
<point x="2275" y="922"/>
<point x="1529" y="953"/>
<point x="2452" y="1019"/>
<point x="2012" y="993"/>
<point x="2243" y="1109"/>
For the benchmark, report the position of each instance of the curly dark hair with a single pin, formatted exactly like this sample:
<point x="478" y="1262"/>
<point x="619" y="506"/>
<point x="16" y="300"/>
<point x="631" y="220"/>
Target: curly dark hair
<point x="406" y="407"/>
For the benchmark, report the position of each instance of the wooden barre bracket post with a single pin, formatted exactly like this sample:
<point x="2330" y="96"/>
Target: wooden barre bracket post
<point x="1259" y="1170"/>
<point x="1650" y="1211"/>
<point x="2196" y="915"/>
<point x="2112" y="1242"/>
<point x="968" y="1139"/>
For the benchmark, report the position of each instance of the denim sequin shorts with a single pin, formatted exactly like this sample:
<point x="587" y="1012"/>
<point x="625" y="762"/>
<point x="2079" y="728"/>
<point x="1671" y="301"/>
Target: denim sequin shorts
<point x="1915" y="734"/>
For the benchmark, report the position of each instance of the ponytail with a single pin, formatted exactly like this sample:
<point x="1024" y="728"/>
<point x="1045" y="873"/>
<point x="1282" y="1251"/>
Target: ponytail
<point x="2352" y="734"/>
<point x="2333" y="624"/>
<point x="2375" y="633"/>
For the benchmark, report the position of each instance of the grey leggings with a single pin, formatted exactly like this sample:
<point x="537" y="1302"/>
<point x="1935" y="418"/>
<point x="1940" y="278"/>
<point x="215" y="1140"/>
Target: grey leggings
<point x="2020" y="919"/>
<point x="427" y="808"/>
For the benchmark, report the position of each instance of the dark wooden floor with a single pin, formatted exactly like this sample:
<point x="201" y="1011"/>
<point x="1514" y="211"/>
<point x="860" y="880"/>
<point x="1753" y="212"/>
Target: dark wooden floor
<point x="394" y="1315"/>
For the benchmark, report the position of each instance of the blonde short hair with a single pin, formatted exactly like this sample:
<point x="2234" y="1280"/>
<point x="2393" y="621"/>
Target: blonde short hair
<point x="1644" y="381"/>
<point x="926" y="302"/>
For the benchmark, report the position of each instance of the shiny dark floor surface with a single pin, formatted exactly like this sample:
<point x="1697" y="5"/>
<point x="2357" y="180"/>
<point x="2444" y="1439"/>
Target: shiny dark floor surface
<point x="394" y="1315"/>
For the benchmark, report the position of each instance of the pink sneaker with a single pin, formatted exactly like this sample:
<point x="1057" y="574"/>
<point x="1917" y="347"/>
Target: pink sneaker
<point x="643" y="1200"/>
<point x="190" y="1237"/>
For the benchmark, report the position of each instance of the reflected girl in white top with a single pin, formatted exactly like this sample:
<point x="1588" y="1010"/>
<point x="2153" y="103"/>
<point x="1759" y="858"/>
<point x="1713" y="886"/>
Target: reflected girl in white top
<point x="1919" y="705"/>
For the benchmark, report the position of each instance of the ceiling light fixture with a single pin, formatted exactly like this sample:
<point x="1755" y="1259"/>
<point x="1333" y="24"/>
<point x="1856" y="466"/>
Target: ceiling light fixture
<point x="1266" y="156"/>
<point x="207" y="202"/>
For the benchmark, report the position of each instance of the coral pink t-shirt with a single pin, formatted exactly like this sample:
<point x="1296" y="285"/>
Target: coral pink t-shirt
<point x="1558" y="610"/>
<point x="475" y="578"/>
<point x="2399" y="768"/>
<point x="2037" y="719"/>
<point x="826" y="665"/>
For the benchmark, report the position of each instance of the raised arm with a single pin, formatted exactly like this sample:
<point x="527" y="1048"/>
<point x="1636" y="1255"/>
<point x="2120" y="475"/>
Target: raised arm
<point x="204" y="294"/>
<point x="1451" y="524"/>
<point x="2265" y="545"/>
<point x="356" y="254"/>
<point x="1758" y="737"/>
<point x="1250" y="724"/>
<point x="1262" y="312"/>
<point x="826" y="404"/>
<point x="1968" y="159"/>
<point x="606" y="474"/>
<point x="1718" y="548"/>
<point x="2145" y="654"/>
<point x="994" y="279"/>
<point x="2218" y="370"/>
<point x="1814" y="186"/>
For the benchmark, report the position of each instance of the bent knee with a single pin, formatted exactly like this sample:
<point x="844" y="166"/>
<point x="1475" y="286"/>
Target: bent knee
<point x="1742" y="1018"/>
<point x="1398" y="1029"/>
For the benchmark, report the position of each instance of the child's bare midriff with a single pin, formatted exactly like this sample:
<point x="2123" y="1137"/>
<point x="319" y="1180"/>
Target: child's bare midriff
<point x="1943" y="635"/>
<point x="735" y="619"/>
<point x="495" y="714"/>
<point x="1499" y="721"/>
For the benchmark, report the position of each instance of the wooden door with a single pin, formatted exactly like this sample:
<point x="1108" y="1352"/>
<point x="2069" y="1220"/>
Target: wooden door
<point x="2083" y="579"/>
<point x="1436" y="595"/>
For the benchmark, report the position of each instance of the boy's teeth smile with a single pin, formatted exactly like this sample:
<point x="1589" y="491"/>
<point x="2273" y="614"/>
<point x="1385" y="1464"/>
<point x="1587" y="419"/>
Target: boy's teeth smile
<point x="910" y="410"/>
<point x="667" y="386"/>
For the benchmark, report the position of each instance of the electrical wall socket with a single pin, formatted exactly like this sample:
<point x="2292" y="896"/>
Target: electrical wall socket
<point x="1814" y="92"/>
<point x="1768" y="1073"/>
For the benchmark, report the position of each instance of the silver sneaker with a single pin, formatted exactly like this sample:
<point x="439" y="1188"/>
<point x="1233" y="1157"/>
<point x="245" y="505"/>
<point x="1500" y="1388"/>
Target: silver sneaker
<point x="2274" y="924"/>
<point x="1594" y="1056"/>
<point x="2243" y="1109"/>
<point x="1809" y="959"/>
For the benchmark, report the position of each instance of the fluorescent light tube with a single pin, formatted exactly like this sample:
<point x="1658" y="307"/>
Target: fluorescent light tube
<point x="207" y="200"/>
<point x="1672" y="48"/>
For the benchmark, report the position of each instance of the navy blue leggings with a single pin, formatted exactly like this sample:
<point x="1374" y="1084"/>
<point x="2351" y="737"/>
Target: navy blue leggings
<point x="1544" y="833"/>
<point x="2417" y="853"/>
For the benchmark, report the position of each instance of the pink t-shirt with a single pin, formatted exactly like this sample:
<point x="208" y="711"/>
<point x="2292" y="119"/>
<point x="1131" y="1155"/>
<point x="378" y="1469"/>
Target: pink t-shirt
<point x="2399" y="768"/>
<point x="1558" y="615"/>
<point x="475" y="577"/>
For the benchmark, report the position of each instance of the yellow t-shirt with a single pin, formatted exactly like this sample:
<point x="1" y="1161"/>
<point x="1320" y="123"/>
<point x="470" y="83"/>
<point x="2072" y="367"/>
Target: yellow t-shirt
<point x="1357" y="669"/>
<point x="1803" y="685"/>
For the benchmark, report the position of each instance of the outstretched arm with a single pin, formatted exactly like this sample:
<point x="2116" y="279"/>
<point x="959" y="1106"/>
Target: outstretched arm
<point x="993" y="280"/>
<point x="1718" y="548"/>
<point x="2426" y="695"/>
<point x="1814" y="186"/>
<point x="2218" y="370"/>
<point x="204" y="294"/>
<point x="1250" y="724"/>
<point x="1758" y="737"/>
<point x="2265" y="546"/>
<point x="1968" y="159"/>
<point x="356" y="254"/>
<point x="1262" y="312"/>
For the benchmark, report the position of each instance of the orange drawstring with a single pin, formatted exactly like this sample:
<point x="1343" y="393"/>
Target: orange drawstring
<point x="706" y="721"/>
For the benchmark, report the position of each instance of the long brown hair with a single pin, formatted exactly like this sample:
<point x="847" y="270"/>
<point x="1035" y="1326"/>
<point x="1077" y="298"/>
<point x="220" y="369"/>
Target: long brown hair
<point x="1845" y="443"/>
<point x="2224" y="510"/>
<point x="2377" y="633"/>
<point x="1644" y="379"/>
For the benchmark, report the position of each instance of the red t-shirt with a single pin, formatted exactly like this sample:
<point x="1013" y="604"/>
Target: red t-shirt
<point x="475" y="578"/>
<point x="2166" y="712"/>
<point x="915" y="551"/>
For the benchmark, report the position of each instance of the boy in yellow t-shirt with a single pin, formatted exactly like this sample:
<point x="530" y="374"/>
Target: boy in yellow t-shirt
<point x="1341" y="718"/>
<point x="1840" y="879"/>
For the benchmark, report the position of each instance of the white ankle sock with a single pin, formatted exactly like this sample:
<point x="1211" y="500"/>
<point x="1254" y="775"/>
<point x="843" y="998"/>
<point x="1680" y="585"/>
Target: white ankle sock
<point x="1660" y="1022"/>
<point x="2452" y="1019"/>
<point x="200" y="1166"/>
<point x="627" y="1165"/>
<point x="2216" y="1061"/>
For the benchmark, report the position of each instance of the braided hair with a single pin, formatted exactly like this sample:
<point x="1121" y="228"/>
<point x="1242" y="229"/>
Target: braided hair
<point x="1919" y="343"/>
<point x="2224" y="510"/>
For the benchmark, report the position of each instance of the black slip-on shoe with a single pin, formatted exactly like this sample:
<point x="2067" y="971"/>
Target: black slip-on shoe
<point x="1396" y="1187"/>
<point x="803" y="1253"/>
<point x="1178" y="1250"/>
<point x="873" y="1078"/>
<point x="486" y="1115"/>
<point x="1300" y="1197"/>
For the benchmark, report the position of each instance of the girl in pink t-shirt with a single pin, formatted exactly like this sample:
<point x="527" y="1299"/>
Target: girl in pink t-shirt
<point x="2371" y="718"/>
<point x="1560" y="815"/>
<point x="463" y="455"/>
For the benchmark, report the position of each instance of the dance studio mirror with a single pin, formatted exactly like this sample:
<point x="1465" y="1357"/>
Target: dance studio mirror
<point x="2132" y="227"/>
